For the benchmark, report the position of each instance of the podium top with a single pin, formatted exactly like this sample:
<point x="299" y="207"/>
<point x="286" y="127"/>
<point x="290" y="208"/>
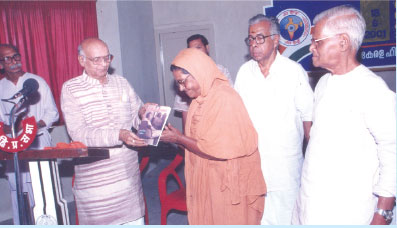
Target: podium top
<point x="57" y="153"/>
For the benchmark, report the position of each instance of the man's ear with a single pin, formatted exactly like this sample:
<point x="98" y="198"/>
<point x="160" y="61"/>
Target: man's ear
<point x="276" y="40"/>
<point x="2" y="69"/>
<point x="81" y="60"/>
<point x="207" y="47"/>
<point x="344" y="42"/>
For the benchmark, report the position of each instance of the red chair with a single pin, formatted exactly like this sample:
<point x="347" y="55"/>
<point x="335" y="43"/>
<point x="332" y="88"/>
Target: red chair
<point x="175" y="200"/>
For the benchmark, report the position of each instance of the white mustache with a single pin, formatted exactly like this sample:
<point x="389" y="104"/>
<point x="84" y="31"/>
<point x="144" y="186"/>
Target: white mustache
<point x="17" y="65"/>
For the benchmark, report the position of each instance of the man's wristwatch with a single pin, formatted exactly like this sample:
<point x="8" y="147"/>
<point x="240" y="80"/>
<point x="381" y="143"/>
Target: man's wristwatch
<point x="387" y="214"/>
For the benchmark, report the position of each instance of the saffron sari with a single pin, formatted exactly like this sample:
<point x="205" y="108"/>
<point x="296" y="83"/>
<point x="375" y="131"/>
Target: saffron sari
<point x="231" y="190"/>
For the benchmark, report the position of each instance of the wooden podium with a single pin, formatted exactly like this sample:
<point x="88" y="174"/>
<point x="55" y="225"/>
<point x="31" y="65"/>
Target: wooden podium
<point x="46" y="183"/>
<point x="57" y="153"/>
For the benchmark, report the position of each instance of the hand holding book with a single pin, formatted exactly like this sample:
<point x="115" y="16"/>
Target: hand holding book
<point x="131" y="139"/>
<point x="171" y="134"/>
<point x="153" y="118"/>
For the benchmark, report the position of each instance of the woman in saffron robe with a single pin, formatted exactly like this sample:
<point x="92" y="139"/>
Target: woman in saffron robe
<point x="224" y="181"/>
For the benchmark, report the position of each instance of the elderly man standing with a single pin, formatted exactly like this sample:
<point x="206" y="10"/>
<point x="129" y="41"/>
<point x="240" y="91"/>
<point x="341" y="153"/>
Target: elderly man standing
<point x="42" y="107"/>
<point x="349" y="173"/>
<point x="99" y="110"/>
<point x="279" y="100"/>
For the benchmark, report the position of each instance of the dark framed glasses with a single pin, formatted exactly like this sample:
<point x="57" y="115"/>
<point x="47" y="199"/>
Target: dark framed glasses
<point x="259" y="39"/>
<point x="98" y="60"/>
<point x="8" y="59"/>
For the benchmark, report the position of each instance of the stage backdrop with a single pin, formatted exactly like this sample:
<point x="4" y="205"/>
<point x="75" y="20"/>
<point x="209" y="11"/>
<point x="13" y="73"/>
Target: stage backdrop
<point x="296" y="20"/>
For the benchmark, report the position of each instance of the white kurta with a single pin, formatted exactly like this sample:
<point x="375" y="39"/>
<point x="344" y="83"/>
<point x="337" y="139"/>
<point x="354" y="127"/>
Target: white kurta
<point x="42" y="107"/>
<point x="351" y="155"/>
<point x="277" y="106"/>
<point x="108" y="191"/>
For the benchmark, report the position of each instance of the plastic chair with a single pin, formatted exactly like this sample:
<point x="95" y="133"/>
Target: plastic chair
<point x="175" y="200"/>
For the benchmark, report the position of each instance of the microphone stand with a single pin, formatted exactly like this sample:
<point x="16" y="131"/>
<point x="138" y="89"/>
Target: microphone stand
<point x="21" y="203"/>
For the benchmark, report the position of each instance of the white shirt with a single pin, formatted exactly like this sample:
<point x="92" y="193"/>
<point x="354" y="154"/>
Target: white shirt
<point x="42" y="109"/>
<point x="182" y="103"/>
<point x="352" y="150"/>
<point x="277" y="104"/>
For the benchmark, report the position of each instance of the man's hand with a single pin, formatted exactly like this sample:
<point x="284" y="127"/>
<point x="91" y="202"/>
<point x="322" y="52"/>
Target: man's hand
<point x="131" y="139"/>
<point x="307" y="125"/>
<point x="41" y="124"/>
<point x="378" y="220"/>
<point x="385" y="203"/>
<point x="170" y="134"/>
<point x="7" y="128"/>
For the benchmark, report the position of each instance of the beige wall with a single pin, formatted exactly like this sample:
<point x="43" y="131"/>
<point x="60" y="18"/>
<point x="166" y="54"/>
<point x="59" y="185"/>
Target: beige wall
<point x="229" y="18"/>
<point x="135" y="49"/>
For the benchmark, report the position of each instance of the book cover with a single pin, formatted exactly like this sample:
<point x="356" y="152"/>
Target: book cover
<point x="153" y="122"/>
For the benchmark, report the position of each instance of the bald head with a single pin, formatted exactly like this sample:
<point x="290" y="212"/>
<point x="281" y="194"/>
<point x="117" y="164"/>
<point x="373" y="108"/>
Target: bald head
<point x="94" y="57"/>
<point x="89" y="44"/>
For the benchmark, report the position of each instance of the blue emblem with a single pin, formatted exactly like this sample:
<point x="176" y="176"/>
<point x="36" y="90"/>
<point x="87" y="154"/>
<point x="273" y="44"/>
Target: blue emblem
<point x="291" y="27"/>
<point x="294" y="27"/>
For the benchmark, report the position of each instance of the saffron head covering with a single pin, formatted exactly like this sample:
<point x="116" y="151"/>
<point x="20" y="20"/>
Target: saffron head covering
<point x="200" y="66"/>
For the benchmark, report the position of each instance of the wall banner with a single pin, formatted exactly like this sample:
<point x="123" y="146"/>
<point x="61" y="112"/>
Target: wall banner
<point x="378" y="49"/>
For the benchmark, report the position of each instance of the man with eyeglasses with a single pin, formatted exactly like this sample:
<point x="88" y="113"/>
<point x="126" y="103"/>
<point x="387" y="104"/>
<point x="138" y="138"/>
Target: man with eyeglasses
<point x="41" y="106"/>
<point x="279" y="100"/>
<point x="199" y="42"/>
<point x="99" y="111"/>
<point x="349" y="172"/>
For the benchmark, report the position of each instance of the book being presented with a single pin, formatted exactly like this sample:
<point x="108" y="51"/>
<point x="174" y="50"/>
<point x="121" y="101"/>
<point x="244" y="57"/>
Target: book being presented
<point x="153" y="122"/>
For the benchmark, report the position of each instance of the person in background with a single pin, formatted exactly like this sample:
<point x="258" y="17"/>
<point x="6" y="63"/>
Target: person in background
<point x="99" y="111"/>
<point x="279" y="100"/>
<point x="224" y="182"/>
<point x="41" y="106"/>
<point x="199" y="42"/>
<point x="349" y="172"/>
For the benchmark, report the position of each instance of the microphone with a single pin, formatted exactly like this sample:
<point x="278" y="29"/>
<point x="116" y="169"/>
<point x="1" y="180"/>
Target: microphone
<point x="29" y="86"/>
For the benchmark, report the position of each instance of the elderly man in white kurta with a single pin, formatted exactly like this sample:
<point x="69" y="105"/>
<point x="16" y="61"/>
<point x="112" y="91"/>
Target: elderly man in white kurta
<point x="349" y="173"/>
<point x="41" y="106"/>
<point x="99" y="111"/>
<point x="279" y="100"/>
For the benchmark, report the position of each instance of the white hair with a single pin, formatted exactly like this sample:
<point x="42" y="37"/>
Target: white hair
<point x="273" y="21"/>
<point x="80" y="50"/>
<point x="344" y="19"/>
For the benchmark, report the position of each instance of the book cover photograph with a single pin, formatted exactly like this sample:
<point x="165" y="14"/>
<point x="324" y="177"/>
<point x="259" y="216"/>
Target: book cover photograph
<point x="153" y="122"/>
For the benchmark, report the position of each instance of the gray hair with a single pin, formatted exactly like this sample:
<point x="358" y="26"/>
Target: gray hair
<point x="80" y="50"/>
<point x="274" y="24"/>
<point x="343" y="19"/>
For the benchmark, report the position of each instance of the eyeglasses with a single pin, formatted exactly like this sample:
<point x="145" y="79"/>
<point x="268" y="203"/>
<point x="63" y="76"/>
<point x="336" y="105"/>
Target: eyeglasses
<point x="315" y="41"/>
<point x="8" y="59"/>
<point x="100" y="59"/>
<point x="182" y="82"/>
<point x="259" y="39"/>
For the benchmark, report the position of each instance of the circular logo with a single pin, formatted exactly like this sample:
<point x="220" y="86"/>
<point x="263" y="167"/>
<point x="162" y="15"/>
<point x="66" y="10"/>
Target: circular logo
<point x="294" y="26"/>
<point x="23" y="141"/>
